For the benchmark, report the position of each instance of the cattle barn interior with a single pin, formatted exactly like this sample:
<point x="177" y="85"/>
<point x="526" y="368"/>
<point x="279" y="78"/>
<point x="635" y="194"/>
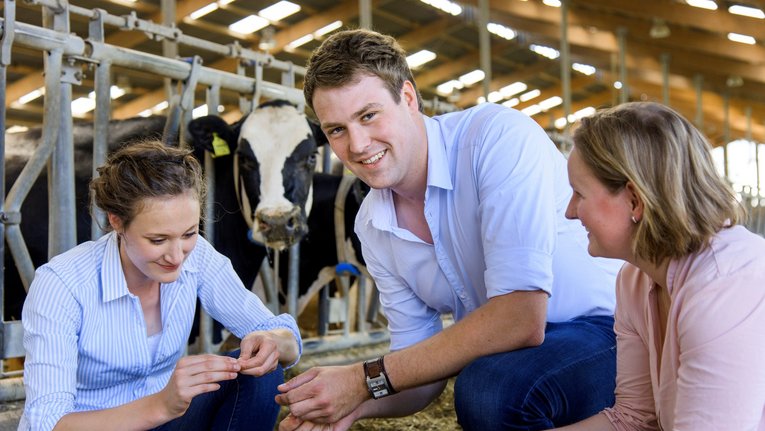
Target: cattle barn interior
<point x="555" y="60"/>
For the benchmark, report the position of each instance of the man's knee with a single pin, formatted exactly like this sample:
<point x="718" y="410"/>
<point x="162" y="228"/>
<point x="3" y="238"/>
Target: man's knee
<point x="482" y="398"/>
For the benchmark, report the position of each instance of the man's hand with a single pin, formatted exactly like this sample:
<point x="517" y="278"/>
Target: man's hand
<point x="324" y="395"/>
<point x="259" y="353"/>
<point x="194" y="375"/>
<point x="291" y="423"/>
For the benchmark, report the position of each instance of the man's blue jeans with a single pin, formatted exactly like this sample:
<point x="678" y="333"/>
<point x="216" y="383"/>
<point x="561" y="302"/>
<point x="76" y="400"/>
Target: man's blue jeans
<point x="245" y="403"/>
<point x="570" y="377"/>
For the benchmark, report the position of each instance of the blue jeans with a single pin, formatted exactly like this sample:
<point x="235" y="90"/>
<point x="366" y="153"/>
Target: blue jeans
<point x="570" y="377"/>
<point x="246" y="402"/>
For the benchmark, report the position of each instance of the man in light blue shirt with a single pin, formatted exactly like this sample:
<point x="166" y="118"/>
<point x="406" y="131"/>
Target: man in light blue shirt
<point x="466" y="217"/>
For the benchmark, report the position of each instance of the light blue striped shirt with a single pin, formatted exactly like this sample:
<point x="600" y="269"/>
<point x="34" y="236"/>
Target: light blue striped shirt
<point x="85" y="334"/>
<point x="497" y="191"/>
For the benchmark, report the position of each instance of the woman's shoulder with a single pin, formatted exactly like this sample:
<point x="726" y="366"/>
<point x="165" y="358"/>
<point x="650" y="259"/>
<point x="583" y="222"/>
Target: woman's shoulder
<point x="85" y="255"/>
<point x="730" y="251"/>
<point x="734" y="257"/>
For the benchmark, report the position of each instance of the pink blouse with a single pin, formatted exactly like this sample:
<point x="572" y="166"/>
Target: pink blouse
<point x="711" y="374"/>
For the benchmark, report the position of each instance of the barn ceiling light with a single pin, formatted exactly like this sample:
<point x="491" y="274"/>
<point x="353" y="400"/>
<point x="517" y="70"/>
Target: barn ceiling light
<point x="328" y="29"/>
<point x="584" y="69"/>
<point x="531" y="110"/>
<point x="445" y="5"/>
<point x="501" y="31"/>
<point x="419" y="58"/>
<point x="525" y="97"/>
<point x="199" y="111"/>
<point x="703" y="4"/>
<point x="199" y="13"/>
<point x="159" y="107"/>
<point x="512" y="102"/>
<point x="16" y="129"/>
<point x="279" y="11"/>
<point x="550" y="103"/>
<point x="448" y="87"/>
<point x="248" y="25"/>
<point x="82" y="106"/>
<point x="298" y="42"/>
<point x="471" y="78"/>
<point x="751" y="12"/>
<point x="545" y="51"/>
<point x="552" y="3"/>
<point x="495" y="96"/>
<point x="32" y="95"/>
<point x="512" y="89"/>
<point x="114" y="92"/>
<point x="576" y="116"/>
<point x="741" y="38"/>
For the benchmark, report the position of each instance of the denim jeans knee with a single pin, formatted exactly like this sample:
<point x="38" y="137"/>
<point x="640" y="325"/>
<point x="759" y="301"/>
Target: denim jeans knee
<point x="571" y="376"/>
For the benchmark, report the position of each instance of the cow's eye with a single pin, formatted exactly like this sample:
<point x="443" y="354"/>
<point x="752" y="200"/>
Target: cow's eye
<point x="311" y="160"/>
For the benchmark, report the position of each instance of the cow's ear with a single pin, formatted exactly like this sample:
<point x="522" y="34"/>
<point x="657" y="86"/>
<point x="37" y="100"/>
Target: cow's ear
<point x="318" y="134"/>
<point x="203" y="131"/>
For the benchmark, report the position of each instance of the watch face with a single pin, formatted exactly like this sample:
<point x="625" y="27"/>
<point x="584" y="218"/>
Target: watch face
<point x="378" y="387"/>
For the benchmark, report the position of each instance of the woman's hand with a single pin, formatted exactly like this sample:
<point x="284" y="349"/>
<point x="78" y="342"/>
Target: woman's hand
<point x="259" y="353"/>
<point x="262" y="351"/>
<point x="194" y="375"/>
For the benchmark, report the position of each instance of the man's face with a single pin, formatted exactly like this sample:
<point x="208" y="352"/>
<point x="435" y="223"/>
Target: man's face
<point x="378" y="139"/>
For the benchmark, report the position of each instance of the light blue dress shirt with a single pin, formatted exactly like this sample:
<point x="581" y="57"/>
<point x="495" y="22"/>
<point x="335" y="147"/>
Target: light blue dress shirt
<point x="85" y="333"/>
<point x="497" y="191"/>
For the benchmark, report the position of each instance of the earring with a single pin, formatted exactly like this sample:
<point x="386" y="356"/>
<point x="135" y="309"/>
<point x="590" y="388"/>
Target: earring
<point x="634" y="220"/>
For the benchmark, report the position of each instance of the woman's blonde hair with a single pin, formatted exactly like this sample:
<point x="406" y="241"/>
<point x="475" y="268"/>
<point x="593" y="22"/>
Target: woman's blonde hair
<point x="670" y="165"/>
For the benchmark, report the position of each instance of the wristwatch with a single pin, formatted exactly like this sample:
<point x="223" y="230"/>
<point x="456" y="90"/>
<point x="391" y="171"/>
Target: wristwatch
<point x="377" y="379"/>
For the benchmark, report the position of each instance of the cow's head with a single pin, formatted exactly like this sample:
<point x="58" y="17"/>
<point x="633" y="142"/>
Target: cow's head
<point x="274" y="152"/>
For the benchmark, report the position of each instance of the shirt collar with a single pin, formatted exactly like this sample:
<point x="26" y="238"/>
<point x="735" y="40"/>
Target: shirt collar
<point x="113" y="282"/>
<point x="438" y="164"/>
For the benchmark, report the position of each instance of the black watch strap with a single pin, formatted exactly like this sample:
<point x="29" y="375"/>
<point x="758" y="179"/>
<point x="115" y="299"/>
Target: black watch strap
<point x="377" y="378"/>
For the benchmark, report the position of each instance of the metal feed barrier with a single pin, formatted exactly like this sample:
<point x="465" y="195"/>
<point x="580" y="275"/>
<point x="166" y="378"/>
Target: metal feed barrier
<point x="65" y="54"/>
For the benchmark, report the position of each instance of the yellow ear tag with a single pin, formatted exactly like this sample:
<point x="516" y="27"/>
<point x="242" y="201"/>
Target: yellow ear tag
<point x="220" y="147"/>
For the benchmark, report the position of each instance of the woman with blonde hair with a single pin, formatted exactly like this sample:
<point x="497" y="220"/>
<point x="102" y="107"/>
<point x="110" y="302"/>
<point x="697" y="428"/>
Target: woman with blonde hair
<point x="690" y="308"/>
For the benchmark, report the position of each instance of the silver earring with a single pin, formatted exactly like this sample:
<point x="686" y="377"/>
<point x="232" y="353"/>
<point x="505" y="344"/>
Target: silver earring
<point x="634" y="220"/>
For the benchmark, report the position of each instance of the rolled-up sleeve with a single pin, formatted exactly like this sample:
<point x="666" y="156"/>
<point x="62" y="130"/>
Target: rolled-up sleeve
<point x="51" y="318"/>
<point x="410" y="319"/>
<point x="515" y="170"/>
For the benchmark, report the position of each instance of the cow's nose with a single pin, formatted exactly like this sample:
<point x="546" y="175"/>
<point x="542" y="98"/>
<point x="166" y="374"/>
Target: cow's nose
<point x="286" y="222"/>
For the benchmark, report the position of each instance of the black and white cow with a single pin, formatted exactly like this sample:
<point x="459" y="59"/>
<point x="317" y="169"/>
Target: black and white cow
<point x="269" y="158"/>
